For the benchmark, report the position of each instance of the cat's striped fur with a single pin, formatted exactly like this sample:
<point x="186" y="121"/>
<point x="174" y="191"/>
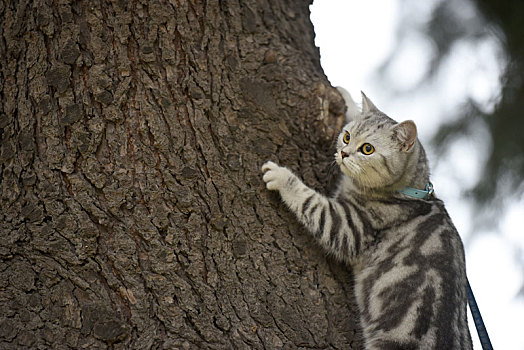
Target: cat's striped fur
<point x="407" y="257"/>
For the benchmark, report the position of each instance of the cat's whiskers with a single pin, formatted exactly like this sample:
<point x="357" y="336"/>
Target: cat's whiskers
<point x="358" y="174"/>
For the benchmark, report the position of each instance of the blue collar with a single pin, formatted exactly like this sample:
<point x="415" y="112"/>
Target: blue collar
<point x="416" y="193"/>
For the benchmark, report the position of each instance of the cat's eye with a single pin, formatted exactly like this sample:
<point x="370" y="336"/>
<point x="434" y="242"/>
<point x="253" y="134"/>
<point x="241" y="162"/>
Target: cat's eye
<point x="367" y="149"/>
<point x="346" y="138"/>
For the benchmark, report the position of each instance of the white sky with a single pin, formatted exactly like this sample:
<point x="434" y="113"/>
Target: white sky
<point x="354" y="39"/>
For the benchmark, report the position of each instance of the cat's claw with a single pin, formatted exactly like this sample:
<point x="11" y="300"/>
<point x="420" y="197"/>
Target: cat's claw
<point x="275" y="176"/>
<point x="269" y="165"/>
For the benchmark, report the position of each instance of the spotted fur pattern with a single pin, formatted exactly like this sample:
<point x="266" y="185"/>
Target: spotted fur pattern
<point x="407" y="257"/>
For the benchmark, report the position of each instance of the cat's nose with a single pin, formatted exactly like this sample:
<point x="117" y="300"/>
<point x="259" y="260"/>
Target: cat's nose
<point x="344" y="154"/>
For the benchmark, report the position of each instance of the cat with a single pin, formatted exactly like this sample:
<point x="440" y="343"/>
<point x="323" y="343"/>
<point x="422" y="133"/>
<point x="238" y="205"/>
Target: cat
<point x="385" y="222"/>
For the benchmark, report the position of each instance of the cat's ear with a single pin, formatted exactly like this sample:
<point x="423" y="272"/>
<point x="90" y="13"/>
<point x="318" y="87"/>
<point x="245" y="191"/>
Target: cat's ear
<point x="367" y="105"/>
<point x="406" y="134"/>
<point x="352" y="110"/>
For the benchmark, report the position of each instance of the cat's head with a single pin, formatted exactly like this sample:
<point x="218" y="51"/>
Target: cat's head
<point x="378" y="153"/>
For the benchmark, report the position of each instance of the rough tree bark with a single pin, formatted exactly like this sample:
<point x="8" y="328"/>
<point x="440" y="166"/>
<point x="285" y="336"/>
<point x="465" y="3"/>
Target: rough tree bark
<point x="133" y="214"/>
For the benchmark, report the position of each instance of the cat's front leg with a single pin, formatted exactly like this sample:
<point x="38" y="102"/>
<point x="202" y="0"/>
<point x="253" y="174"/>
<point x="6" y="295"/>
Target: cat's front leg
<point x="328" y="220"/>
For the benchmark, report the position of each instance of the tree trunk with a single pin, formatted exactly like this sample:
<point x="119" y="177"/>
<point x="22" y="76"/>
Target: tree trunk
<point x="133" y="214"/>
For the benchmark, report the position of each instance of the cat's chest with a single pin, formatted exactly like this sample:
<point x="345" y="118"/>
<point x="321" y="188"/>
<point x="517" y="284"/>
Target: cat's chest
<point x="390" y="249"/>
<point x="411" y="236"/>
<point x="402" y="253"/>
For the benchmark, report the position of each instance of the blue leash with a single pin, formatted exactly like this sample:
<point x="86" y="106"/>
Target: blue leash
<point x="477" y="318"/>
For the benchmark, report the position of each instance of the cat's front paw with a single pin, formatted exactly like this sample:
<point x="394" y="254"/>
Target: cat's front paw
<point x="276" y="177"/>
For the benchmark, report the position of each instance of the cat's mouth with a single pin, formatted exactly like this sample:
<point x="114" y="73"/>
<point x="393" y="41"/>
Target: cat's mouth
<point x="346" y="166"/>
<point x="346" y="169"/>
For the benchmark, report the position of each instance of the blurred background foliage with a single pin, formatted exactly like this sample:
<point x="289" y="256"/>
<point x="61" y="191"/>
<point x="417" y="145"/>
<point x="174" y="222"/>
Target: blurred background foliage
<point x="452" y="23"/>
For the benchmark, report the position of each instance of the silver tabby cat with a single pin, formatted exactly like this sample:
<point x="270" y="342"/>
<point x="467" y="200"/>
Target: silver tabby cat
<point x="407" y="257"/>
